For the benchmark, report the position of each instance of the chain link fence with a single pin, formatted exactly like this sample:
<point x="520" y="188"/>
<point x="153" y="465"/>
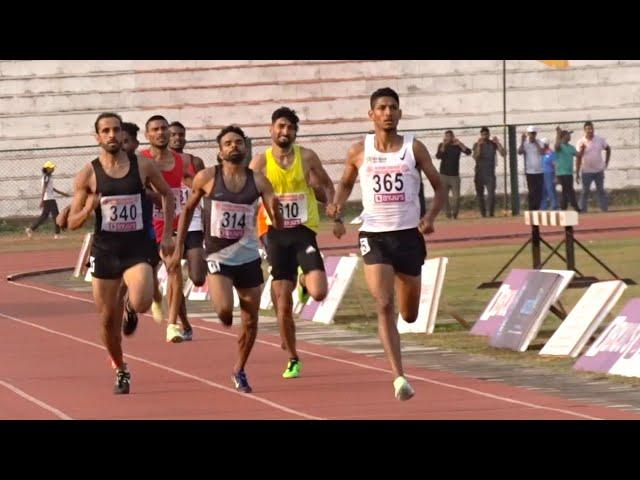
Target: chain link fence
<point x="21" y="169"/>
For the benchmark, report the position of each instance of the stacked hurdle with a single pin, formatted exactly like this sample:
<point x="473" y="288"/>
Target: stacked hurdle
<point x="564" y="218"/>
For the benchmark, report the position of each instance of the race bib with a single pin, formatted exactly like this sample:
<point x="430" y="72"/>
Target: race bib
<point x="180" y="197"/>
<point x="387" y="183"/>
<point x="293" y="208"/>
<point x="121" y="213"/>
<point x="231" y="220"/>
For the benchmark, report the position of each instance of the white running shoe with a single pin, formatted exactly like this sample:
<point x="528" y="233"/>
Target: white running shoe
<point x="173" y="333"/>
<point x="403" y="389"/>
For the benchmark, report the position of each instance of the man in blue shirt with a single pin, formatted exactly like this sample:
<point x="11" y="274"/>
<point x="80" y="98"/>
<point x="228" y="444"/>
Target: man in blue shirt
<point x="549" y="197"/>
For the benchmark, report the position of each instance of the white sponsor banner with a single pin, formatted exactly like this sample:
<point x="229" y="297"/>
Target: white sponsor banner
<point x="337" y="287"/>
<point x="163" y="279"/>
<point x="199" y="294"/>
<point x="583" y="320"/>
<point x="433" y="273"/>
<point x="617" y="346"/>
<point x="83" y="256"/>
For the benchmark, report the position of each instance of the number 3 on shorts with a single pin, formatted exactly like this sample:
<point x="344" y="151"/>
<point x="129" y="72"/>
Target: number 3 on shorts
<point x="364" y="246"/>
<point x="214" y="267"/>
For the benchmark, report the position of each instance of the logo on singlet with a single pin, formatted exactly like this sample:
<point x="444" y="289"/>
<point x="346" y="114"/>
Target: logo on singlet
<point x="377" y="159"/>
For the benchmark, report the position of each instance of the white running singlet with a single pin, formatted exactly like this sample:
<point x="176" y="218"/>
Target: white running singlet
<point x="390" y="188"/>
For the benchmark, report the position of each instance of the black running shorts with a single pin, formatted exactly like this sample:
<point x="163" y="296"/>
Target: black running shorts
<point x="111" y="264"/>
<point x="193" y="240"/>
<point x="245" y="275"/>
<point x="289" y="248"/>
<point x="404" y="250"/>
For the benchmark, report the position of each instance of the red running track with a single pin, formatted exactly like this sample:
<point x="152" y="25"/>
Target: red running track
<point x="52" y="365"/>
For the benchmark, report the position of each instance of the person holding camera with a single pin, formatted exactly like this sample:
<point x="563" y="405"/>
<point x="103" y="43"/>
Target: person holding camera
<point x="484" y="153"/>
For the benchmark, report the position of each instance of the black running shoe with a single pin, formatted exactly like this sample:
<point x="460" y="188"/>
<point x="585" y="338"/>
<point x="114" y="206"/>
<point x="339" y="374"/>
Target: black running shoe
<point x="240" y="382"/>
<point x="123" y="379"/>
<point x="129" y="319"/>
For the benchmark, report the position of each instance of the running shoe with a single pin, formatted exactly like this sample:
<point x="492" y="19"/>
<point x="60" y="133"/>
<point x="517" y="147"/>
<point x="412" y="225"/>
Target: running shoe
<point x="293" y="369"/>
<point x="173" y="333"/>
<point x="187" y="335"/>
<point x="123" y="381"/>
<point x="403" y="389"/>
<point x="130" y="319"/>
<point x="240" y="382"/>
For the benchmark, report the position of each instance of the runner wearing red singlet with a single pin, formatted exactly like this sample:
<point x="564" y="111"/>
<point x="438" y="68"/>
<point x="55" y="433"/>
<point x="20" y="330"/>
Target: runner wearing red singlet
<point x="174" y="171"/>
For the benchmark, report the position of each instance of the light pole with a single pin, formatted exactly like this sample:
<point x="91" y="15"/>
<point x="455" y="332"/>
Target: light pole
<point x="504" y="127"/>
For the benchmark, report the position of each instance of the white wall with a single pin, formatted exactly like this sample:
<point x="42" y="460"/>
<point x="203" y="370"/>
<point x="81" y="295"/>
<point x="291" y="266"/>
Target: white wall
<point x="54" y="103"/>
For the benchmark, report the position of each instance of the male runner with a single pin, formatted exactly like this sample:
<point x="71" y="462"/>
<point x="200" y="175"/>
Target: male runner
<point x="231" y="192"/>
<point x="391" y="235"/>
<point x="113" y="185"/>
<point x="289" y="167"/>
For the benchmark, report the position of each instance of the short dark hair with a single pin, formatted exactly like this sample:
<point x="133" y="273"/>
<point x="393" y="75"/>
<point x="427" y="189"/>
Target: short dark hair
<point x="588" y="123"/>
<point x="107" y="115"/>
<point x="285" y="112"/>
<point x="131" y="128"/>
<point x="228" y="129"/>
<point x="383" y="92"/>
<point x="177" y="124"/>
<point x="153" y="119"/>
<point x="449" y="131"/>
<point x="484" y="129"/>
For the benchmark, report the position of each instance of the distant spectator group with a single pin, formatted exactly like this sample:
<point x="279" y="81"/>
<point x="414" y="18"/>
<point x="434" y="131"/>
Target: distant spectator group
<point x="546" y="164"/>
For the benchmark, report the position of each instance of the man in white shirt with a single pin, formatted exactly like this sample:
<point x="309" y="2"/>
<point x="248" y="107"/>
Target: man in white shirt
<point x="591" y="165"/>
<point x="48" y="202"/>
<point x="533" y="151"/>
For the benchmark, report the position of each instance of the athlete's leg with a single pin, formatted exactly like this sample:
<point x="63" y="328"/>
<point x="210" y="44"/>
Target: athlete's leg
<point x="138" y="279"/>
<point x="408" y="292"/>
<point x="315" y="282"/>
<point x="284" y="308"/>
<point x="196" y="265"/>
<point x="249" y="306"/>
<point x="221" y="291"/>
<point x="109" y="305"/>
<point x="380" y="281"/>
<point x="311" y="263"/>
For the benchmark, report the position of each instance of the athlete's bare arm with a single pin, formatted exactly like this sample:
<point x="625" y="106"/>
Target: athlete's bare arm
<point x="84" y="199"/>
<point x="201" y="179"/>
<point x="198" y="165"/>
<point x="348" y="180"/>
<point x="156" y="180"/>
<point x="423" y="159"/>
<point x="317" y="173"/>
<point x="61" y="219"/>
<point x="269" y="199"/>
<point x="321" y="194"/>
<point x="186" y="173"/>
<point x="258" y="162"/>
